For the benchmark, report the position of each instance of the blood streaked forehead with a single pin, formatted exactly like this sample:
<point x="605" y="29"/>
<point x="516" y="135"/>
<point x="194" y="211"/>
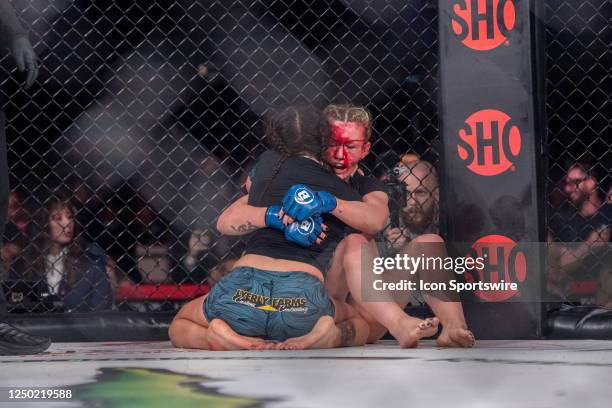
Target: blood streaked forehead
<point x="347" y="131"/>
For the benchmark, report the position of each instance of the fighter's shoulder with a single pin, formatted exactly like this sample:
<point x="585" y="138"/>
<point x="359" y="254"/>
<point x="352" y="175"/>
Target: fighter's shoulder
<point x="269" y="156"/>
<point x="325" y="179"/>
<point x="365" y="184"/>
<point x="263" y="162"/>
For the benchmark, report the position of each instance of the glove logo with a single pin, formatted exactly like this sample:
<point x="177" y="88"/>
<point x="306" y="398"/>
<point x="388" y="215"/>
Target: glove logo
<point x="306" y="226"/>
<point x="303" y="196"/>
<point x="483" y="24"/>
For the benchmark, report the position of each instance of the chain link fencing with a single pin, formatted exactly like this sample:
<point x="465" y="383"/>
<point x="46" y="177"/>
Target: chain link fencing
<point x="147" y="116"/>
<point x="578" y="58"/>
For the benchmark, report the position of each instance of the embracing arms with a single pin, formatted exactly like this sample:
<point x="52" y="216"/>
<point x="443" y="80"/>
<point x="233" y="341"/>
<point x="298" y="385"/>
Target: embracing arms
<point x="368" y="216"/>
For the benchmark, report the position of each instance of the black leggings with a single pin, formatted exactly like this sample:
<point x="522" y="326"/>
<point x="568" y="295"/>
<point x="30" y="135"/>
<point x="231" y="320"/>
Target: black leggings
<point x="4" y="193"/>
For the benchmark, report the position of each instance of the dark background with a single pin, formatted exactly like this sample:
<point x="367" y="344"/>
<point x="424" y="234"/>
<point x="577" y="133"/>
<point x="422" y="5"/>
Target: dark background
<point x="152" y="110"/>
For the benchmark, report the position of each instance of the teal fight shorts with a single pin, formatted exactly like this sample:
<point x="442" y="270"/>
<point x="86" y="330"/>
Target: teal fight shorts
<point x="268" y="305"/>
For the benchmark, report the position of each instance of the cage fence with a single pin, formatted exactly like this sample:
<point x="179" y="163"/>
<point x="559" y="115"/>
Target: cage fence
<point x="148" y="115"/>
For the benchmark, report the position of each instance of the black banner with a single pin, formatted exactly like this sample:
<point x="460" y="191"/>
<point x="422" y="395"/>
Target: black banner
<point x="491" y="149"/>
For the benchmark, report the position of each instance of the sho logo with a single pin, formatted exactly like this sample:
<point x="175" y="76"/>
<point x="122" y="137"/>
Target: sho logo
<point x="483" y="24"/>
<point x="306" y="226"/>
<point x="489" y="142"/>
<point x="503" y="260"/>
<point x="303" y="196"/>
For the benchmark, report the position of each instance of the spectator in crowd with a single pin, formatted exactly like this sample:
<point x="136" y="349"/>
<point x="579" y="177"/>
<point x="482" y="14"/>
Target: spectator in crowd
<point x="163" y="254"/>
<point x="579" y="226"/>
<point x="73" y="271"/>
<point x="198" y="261"/>
<point x="389" y="161"/>
<point x="144" y="235"/>
<point x="219" y="271"/>
<point x="152" y="255"/>
<point x="160" y="255"/>
<point x="409" y="157"/>
<point x="14" y="237"/>
<point x="420" y="212"/>
<point x="16" y="214"/>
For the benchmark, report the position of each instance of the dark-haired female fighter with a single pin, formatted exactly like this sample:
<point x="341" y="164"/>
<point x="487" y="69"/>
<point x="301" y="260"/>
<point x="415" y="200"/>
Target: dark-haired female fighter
<point x="275" y="291"/>
<point x="351" y="132"/>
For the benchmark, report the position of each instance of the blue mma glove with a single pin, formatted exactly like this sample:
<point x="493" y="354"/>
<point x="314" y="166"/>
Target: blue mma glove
<point x="305" y="233"/>
<point x="272" y="219"/>
<point x="300" y="202"/>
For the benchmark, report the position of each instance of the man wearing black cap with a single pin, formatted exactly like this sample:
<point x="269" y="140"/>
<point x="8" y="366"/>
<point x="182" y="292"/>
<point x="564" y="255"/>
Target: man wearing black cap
<point x="12" y="35"/>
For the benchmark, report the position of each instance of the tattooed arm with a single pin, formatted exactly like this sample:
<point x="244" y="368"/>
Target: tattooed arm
<point x="244" y="228"/>
<point x="240" y="218"/>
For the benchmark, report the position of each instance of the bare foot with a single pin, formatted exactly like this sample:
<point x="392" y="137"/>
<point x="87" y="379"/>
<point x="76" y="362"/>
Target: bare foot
<point x="265" y="345"/>
<point x="323" y="335"/>
<point x="456" y="337"/>
<point x="220" y="337"/>
<point x="411" y="330"/>
<point x="294" y="343"/>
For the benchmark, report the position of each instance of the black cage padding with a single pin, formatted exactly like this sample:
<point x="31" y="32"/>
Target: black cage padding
<point x="86" y="327"/>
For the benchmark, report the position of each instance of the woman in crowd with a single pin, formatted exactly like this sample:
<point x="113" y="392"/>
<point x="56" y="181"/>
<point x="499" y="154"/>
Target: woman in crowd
<point x="75" y="272"/>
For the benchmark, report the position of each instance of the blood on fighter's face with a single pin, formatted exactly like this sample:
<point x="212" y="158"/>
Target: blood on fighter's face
<point x="348" y="146"/>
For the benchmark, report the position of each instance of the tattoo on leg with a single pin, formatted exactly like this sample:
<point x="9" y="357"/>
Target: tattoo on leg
<point x="347" y="333"/>
<point x="243" y="228"/>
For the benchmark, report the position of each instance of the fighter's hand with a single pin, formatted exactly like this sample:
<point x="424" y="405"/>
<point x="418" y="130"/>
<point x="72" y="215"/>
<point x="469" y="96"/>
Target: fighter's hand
<point x="274" y="218"/>
<point x="300" y="202"/>
<point x="287" y="220"/>
<point x="307" y="232"/>
<point x="25" y="58"/>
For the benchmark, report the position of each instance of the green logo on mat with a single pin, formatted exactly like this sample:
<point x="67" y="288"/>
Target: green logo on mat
<point x="141" y="387"/>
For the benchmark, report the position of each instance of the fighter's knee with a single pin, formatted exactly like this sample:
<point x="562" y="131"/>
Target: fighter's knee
<point x="376" y="331"/>
<point x="352" y="240"/>
<point x="174" y="333"/>
<point x="428" y="238"/>
<point x="362" y="332"/>
<point x="362" y="311"/>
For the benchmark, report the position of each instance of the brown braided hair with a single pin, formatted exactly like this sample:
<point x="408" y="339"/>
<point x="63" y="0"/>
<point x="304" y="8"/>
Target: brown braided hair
<point x="294" y="131"/>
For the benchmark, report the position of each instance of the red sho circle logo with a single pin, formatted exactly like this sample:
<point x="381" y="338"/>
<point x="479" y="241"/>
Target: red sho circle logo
<point x="483" y="24"/>
<point x="503" y="260"/>
<point x="489" y="142"/>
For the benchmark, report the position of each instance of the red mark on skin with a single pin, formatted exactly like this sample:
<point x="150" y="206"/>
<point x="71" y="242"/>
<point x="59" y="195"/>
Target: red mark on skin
<point x="341" y="134"/>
